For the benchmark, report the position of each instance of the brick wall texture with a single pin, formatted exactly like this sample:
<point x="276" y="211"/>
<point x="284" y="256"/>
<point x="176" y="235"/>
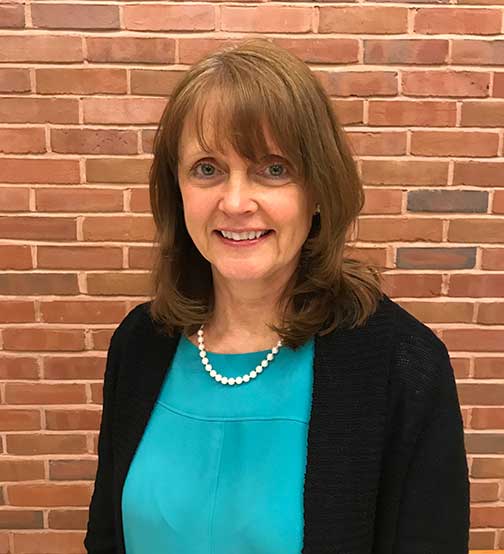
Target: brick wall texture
<point x="419" y="88"/>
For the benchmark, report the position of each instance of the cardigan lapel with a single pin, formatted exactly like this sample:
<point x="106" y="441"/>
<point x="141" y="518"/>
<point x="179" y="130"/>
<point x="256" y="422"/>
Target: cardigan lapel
<point x="346" y="436"/>
<point x="346" y="428"/>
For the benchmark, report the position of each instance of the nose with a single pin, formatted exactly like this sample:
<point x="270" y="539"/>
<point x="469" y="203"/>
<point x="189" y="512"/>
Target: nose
<point x="238" y="194"/>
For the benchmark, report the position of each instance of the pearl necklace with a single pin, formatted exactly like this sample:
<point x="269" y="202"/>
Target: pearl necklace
<point x="233" y="380"/>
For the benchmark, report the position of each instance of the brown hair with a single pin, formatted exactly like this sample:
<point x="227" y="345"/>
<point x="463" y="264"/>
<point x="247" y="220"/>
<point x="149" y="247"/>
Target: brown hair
<point x="261" y="80"/>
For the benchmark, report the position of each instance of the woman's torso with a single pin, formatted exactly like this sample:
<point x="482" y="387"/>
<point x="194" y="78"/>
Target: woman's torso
<point x="219" y="468"/>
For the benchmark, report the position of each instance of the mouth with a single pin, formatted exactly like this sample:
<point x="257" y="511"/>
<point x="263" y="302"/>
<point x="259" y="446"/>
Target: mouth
<point x="245" y="242"/>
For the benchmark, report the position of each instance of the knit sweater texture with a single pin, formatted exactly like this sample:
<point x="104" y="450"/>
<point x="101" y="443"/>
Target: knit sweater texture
<point x="386" y="469"/>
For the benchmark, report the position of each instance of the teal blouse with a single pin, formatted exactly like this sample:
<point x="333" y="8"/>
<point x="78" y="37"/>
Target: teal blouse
<point x="220" y="469"/>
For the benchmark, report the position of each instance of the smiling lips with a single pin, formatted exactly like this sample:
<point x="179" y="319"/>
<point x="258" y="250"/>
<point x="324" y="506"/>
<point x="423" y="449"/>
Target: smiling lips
<point x="243" y="235"/>
<point x="243" y="242"/>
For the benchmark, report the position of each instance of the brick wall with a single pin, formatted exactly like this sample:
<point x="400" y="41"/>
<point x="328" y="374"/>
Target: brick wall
<point x="420" y="91"/>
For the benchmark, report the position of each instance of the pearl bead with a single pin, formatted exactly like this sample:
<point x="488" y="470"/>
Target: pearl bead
<point x="233" y="380"/>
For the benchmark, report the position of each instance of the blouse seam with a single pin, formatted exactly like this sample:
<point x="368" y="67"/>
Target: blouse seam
<point x="225" y="419"/>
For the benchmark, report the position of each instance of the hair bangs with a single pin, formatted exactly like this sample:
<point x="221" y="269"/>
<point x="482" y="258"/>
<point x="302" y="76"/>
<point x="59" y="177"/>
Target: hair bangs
<point x="237" y="112"/>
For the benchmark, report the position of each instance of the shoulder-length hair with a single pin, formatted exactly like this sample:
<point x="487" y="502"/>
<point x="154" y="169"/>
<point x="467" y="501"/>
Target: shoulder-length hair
<point x="259" y="81"/>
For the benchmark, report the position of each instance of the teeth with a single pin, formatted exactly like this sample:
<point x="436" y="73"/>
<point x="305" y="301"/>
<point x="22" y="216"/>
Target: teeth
<point x="243" y="236"/>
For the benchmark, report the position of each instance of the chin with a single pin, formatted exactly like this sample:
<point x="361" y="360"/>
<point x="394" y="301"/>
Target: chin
<point x="242" y="272"/>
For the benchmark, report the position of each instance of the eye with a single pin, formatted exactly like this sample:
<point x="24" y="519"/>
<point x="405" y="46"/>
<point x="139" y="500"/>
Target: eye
<point x="279" y="170"/>
<point x="205" y="166"/>
<point x="278" y="166"/>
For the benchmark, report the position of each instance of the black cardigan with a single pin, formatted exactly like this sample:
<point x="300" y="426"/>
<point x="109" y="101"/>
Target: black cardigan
<point x="386" y="465"/>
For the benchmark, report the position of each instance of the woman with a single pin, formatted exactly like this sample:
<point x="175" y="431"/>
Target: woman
<point x="270" y="398"/>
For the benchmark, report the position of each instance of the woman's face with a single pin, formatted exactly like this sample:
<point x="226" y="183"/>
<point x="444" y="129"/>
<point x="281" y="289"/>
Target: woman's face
<point x="225" y="191"/>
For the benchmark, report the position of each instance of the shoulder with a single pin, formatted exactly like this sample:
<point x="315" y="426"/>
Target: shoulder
<point x="420" y="370"/>
<point x="137" y="320"/>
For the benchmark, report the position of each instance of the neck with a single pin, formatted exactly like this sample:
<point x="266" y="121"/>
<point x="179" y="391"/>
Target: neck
<point x="240" y="317"/>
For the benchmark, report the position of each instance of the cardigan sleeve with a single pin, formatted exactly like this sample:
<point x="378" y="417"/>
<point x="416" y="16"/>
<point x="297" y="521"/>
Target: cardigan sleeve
<point x="100" y="536"/>
<point x="434" y="512"/>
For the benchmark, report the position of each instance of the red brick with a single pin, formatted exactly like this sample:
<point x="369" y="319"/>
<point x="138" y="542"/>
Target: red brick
<point x="430" y="312"/>
<point x="81" y="81"/>
<point x="128" y="111"/>
<point x="36" y="170"/>
<point x="193" y="49"/>
<point x="18" y="367"/>
<point x="22" y="470"/>
<point x="140" y="200"/>
<point x="436" y="257"/>
<point x="477" y="285"/>
<point x="498" y="90"/>
<point x="152" y="17"/>
<point x="405" y="51"/>
<point x="382" y="201"/>
<point x="15" y="199"/>
<point x="18" y="420"/>
<point x="54" y="542"/>
<point x="491" y="313"/>
<point x="454" y="143"/>
<point x="426" y="113"/>
<point x="24" y="338"/>
<point x="484" y="114"/>
<point x="348" y="111"/>
<point x="21" y="519"/>
<point x="42" y="443"/>
<point x="363" y="19"/>
<point x="22" y="140"/>
<point x="74" y="367"/>
<point x="479" y="174"/>
<point x="78" y="200"/>
<point x="453" y="20"/>
<point x="445" y="83"/>
<point x="318" y="49"/>
<point x="69" y="519"/>
<point x="40" y="48"/>
<point x="492" y="258"/>
<point x="266" y="19"/>
<point x="136" y="284"/>
<point x="17" y="311"/>
<point x="77" y="16"/>
<point x="378" y="143"/>
<point x="120" y="228"/>
<point x="403" y="229"/>
<point x="131" y="50"/>
<point x="357" y="83"/>
<point x="12" y="16"/>
<point x="15" y="256"/>
<point x="148" y="140"/>
<point x="478" y="52"/>
<point x="140" y="257"/>
<point x="100" y="340"/>
<point x="498" y="202"/>
<point x="38" y="283"/>
<point x="39" y="110"/>
<point x="94" y="141"/>
<point x="447" y="200"/>
<point x="14" y="79"/>
<point x="118" y="170"/>
<point x="68" y="420"/>
<point x="82" y="311"/>
<point x="483" y="492"/>
<point x="476" y="230"/>
<point x="404" y="172"/>
<point x="418" y="285"/>
<point x="45" y="393"/>
<point x="37" y="227"/>
<point x="488" y="367"/>
<point x="154" y="81"/>
<point x="66" y="470"/>
<point x="79" y="257"/>
<point x="48" y="494"/>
